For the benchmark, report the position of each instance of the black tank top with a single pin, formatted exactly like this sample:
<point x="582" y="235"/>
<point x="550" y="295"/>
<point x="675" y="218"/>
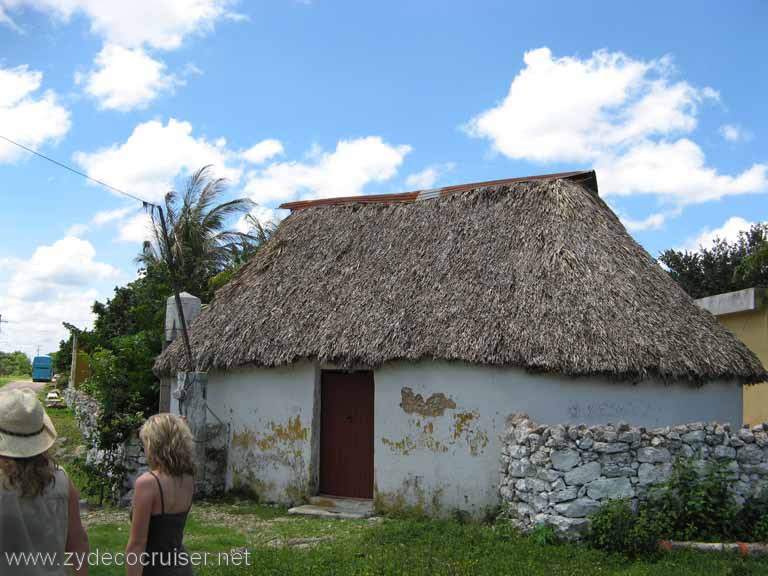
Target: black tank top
<point x="164" y="542"/>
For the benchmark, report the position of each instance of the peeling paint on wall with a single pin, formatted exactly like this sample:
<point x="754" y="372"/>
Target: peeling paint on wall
<point x="244" y="439"/>
<point x="408" y="444"/>
<point x="410" y="497"/>
<point x="465" y="429"/>
<point x="291" y="432"/>
<point x="257" y="454"/>
<point x="465" y="426"/>
<point x="435" y="405"/>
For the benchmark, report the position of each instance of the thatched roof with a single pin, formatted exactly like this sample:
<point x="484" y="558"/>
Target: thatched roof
<point x="534" y="273"/>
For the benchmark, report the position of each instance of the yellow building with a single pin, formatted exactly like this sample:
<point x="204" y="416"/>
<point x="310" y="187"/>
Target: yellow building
<point x="745" y="313"/>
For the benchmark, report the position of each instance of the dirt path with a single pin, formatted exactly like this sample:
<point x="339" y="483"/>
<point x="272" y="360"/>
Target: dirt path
<point x="36" y="386"/>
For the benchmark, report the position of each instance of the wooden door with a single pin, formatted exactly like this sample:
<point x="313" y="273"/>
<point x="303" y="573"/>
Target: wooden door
<point x="346" y="434"/>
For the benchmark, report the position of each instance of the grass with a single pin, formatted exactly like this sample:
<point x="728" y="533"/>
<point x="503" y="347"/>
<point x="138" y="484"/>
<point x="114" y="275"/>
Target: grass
<point x="279" y="544"/>
<point x="14" y="377"/>
<point x="283" y="545"/>
<point x="70" y="449"/>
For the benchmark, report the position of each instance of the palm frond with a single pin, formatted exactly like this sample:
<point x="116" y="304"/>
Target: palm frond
<point x="199" y="242"/>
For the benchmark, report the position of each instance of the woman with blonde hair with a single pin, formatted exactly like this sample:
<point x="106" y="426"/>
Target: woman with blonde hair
<point x="39" y="505"/>
<point x="162" y="498"/>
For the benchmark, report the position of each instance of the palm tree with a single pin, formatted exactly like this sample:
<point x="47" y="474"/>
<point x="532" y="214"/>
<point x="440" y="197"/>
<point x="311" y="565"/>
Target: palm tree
<point x="257" y="236"/>
<point x="200" y="245"/>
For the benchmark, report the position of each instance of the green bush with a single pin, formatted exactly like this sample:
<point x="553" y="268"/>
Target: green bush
<point x="697" y="504"/>
<point x="542" y="535"/>
<point x="760" y="530"/>
<point x="617" y="527"/>
<point x="14" y="363"/>
<point x="693" y="504"/>
<point x="753" y="518"/>
<point x="120" y="381"/>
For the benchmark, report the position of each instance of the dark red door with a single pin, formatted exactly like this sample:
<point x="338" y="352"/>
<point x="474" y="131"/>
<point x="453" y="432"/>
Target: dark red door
<point x="346" y="434"/>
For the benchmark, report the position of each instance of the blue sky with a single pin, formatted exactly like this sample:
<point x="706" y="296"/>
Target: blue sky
<point x="297" y="99"/>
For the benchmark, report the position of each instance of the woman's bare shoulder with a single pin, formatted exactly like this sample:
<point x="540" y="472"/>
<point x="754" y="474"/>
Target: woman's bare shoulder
<point x="145" y="481"/>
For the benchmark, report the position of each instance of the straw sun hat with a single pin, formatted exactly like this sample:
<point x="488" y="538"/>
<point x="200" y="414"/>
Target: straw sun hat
<point x="25" y="428"/>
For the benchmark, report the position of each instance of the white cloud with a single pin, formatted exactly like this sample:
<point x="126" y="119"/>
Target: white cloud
<point x="677" y="171"/>
<point x="77" y="230"/>
<point x="125" y="75"/>
<point x="161" y="24"/>
<point x="628" y="118"/>
<point x="424" y="179"/>
<point x="27" y="116"/>
<point x="263" y="151"/>
<point x="154" y="155"/>
<point x="653" y="222"/>
<point x="126" y="79"/>
<point x="344" y="172"/>
<point x="264" y="215"/>
<point x="66" y="263"/>
<point x="56" y="284"/>
<point x="729" y="232"/>
<point x="428" y="177"/>
<point x="734" y="133"/>
<point x="130" y="221"/>
<point x="107" y="216"/>
<point x="567" y="109"/>
<point x="136" y="229"/>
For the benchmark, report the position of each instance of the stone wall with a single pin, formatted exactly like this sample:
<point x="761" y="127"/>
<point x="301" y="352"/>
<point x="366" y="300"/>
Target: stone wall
<point x="559" y="475"/>
<point x="131" y="453"/>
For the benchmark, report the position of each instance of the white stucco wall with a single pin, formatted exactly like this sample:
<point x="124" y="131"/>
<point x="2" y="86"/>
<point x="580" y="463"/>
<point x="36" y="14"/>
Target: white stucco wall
<point x="449" y="462"/>
<point x="270" y="414"/>
<point x="441" y="453"/>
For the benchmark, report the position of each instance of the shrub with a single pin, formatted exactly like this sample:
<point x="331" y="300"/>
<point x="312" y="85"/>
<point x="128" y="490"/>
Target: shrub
<point x="693" y="504"/>
<point x="760" y="531"/>
<point x="543" y="535"/>
<point x="14" y="363"/>
<point x="617" y="527"/>
<point x="696" y="505"/>
<point x="117" y="381"/>
<point x="753" y="518"/>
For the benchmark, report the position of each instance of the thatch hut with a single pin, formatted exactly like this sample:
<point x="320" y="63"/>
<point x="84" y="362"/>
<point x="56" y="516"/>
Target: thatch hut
<point x="376" y="346"/>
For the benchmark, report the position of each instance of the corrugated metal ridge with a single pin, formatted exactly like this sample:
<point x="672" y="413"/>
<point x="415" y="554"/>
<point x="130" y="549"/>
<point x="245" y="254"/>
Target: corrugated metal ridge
<point x="587" y="176"/>
<point x="428" y="194"/>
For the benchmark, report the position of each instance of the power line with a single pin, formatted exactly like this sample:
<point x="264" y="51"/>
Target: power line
<point x="75" y="171"/>
<point x="145" y="204"/>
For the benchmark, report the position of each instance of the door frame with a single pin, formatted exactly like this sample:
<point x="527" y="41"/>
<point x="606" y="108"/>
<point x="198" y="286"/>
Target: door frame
<point x="317" y="424"/>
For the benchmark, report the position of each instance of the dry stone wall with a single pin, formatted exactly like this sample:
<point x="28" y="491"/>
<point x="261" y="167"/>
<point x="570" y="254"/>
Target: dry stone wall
<point x="131" y="453"/>
<point x="559" y="475"/>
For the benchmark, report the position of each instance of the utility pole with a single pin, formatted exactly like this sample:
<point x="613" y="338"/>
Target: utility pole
<point x="74" y="330"/>
<point x="175" y="286"/>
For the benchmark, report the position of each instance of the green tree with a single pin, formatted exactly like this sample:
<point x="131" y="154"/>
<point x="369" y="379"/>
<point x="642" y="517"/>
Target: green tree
<point x="199" y="241"/>
<point x="62" y="358"/>
<point x="127" y="334"/>
<point x="129" y="328"/>
<point x="722" y="267"/>
<point x="139" y="306"/>
<point x="14" y="363"/>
